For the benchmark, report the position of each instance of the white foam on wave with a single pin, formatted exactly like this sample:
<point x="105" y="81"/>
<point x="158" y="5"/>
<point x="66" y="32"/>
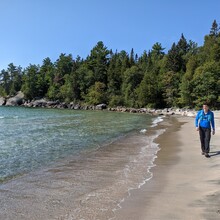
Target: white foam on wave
<point x="157" y="120"/>
<point x="8" y="117"/>
<point x="144" y="151"/>
<point x="143" y="131"/>
<point x="152" y="149"/>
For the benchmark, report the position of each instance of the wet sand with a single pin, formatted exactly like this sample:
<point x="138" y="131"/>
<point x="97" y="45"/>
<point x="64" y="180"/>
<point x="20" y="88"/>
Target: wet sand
<point x="185" y="184"/>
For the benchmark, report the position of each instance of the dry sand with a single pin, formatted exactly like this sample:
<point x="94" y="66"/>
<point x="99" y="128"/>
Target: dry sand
<point x="185" y="184"/>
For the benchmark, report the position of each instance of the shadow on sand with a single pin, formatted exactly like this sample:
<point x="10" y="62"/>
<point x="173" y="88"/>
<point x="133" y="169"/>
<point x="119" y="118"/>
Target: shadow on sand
<point x="214" y="153"/>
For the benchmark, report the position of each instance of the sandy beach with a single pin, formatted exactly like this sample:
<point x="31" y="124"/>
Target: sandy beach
<point x="185" y="184"/>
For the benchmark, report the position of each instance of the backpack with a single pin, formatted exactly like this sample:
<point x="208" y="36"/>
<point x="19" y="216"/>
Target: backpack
<point x="202" y="116"/>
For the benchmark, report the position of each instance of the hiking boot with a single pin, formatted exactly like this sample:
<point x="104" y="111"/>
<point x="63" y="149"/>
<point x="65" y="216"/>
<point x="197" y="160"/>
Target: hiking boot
<point x="207" y="155"/>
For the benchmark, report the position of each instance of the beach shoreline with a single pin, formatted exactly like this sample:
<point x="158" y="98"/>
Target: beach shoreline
<point x="185" y="184"/>
<point x="88" y="186"/>
<point x="180" y="184"/>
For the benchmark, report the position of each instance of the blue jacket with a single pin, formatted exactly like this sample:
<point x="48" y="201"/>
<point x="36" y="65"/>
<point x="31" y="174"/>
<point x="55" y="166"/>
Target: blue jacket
<point x="205" y="120"/>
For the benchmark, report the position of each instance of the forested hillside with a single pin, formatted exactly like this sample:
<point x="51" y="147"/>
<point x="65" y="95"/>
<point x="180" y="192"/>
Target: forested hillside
<point x="185" y="76"/>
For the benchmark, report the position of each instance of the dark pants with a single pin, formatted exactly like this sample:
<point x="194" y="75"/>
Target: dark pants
<point x="205" y="137"/>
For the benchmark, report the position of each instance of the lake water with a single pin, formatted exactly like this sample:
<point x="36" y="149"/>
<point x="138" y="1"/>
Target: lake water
<point x="72" y="164"/>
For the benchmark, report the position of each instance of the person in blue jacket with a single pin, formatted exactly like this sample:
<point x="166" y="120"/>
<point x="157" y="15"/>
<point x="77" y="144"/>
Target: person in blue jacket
<point x="204" y="123"/>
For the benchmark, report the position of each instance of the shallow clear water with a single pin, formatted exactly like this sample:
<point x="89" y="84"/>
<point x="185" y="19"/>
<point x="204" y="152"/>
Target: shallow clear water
<point x="77" y="164"/>
<point x="34" y="138"/>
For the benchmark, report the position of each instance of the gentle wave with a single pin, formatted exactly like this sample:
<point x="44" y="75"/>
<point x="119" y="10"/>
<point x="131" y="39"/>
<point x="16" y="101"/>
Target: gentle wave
<point x="143" y="161"/>
<point x="33" y="138"/>
<point x="157" y="120"/>
<point x="91" y="184"/>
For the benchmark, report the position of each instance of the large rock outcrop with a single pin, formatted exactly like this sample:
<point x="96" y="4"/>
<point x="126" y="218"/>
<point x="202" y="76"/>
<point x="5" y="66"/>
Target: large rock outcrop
<point x="16" y="100"/>
<point x="2" y="101"/>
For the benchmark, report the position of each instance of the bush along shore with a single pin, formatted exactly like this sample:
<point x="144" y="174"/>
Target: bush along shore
<point x="19" y="100"/>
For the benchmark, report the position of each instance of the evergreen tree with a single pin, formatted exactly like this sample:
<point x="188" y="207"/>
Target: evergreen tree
<point x="147" y="91"/>
<point x="210" y="49"/>
<point x="85" y="79"/>
<point x="30" y="86"/>
<point x="132" y="58"/>
<point x="132" y="79"/>
<point x="70" y="90"/>
<point x="11" y="79"/>
<point x="143" y="61"/>
<point x="182" y="46"/>
<point x="173" y="59"/>
<point x="96" y="94"/>
<point x="47" y="71"/>
<point x="16" y="78"/>
<point x="206" y="84"/>
<point x="214" y="32"/>
<point x="124" y="60"/>
<point x="63" y="67"/>
<point x="186" y="86"/>
<point x="170" y="84"/>
<point x="157" y="52"/>
<point x="98" y="62"/>
<point x="5" y="82"/>
<point x="176" y="60"/>
<point x="114" y="80"/>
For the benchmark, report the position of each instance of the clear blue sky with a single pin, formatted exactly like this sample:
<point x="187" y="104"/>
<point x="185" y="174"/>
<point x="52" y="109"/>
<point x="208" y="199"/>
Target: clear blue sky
<point x="32" y="30"/>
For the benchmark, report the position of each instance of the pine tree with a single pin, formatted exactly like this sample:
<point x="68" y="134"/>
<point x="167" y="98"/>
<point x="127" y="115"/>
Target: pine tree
<point x="214" y="32"/>
<point x="157" y="52"/>
<point x="131" y="58"/>
<point x="30" y="85"/>
<point x="98" y="62"/>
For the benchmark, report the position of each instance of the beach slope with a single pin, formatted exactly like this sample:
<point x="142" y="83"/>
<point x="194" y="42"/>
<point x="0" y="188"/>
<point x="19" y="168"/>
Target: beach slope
<point x="185" y="184"/>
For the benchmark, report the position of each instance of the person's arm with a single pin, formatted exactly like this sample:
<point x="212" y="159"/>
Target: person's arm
<point x="197" y="121"/>
<point x="213" y="124"/>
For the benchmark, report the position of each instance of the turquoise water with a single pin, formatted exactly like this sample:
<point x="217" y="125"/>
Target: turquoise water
<point x="34" y="138"/>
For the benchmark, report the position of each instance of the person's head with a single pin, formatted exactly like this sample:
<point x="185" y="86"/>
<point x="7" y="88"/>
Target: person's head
<point x="205" y="107"/>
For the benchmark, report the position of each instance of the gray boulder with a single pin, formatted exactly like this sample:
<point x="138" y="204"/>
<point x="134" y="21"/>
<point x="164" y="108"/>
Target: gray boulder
<point x="2" y="101"/>
<point x="101" y="106"/>
<point x="16" y="100"/>
<point x="39" y="103"/>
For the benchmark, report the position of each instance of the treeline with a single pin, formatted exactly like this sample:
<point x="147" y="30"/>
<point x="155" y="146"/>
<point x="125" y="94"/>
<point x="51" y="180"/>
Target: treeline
<point x="185" y="76"/>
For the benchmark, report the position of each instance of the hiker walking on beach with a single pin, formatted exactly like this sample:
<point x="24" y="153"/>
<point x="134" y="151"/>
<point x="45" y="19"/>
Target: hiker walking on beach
<point x="204" y="122"/>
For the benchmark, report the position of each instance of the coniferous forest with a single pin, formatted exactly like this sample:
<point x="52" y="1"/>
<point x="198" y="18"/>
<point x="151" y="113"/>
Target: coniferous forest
<point x="185" y="76"/>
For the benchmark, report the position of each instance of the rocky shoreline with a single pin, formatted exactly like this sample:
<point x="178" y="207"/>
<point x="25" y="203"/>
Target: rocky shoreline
<point x="19" y="100"/>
